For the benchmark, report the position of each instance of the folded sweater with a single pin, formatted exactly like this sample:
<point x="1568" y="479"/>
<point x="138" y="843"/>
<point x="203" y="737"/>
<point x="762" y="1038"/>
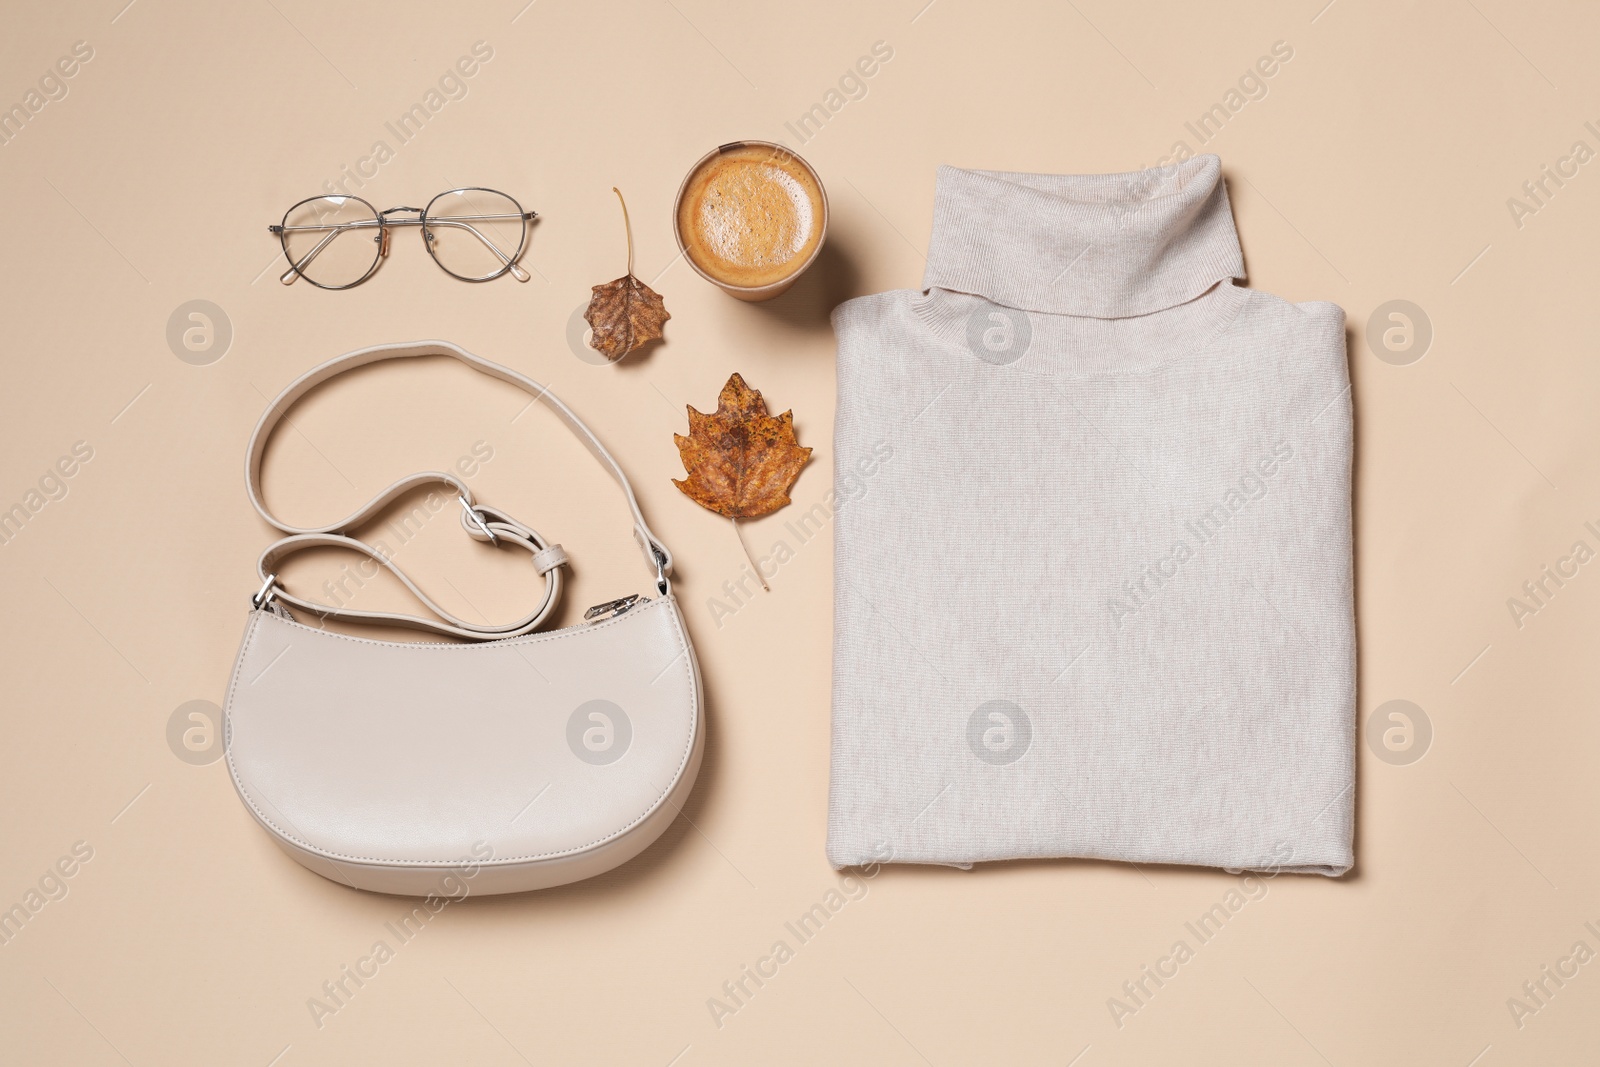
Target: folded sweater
<point x="1093" y="578"/>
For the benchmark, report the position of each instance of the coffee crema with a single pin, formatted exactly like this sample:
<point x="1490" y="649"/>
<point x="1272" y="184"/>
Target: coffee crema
<point x="751" y="215"/>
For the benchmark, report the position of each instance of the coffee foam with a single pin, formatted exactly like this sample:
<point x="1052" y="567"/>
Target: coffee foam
<point x="751" y="216"/>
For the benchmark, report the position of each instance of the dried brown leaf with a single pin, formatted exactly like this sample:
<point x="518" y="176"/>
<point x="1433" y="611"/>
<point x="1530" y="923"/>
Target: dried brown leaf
<point x="740" y="461"/>
<point x="624" y="314"/>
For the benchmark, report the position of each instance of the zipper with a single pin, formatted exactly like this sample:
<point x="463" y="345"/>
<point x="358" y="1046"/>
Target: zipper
<point x="612" y="608"/>
<point x="597" y="614"/>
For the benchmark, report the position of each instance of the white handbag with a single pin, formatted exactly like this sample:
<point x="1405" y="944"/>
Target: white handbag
<point x="507" y="761"/>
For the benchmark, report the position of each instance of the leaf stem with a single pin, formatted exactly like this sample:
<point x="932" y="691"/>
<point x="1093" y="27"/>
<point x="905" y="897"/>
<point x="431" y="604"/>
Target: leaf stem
<point x="739" y="533"/>
<point x="626" y="226"/>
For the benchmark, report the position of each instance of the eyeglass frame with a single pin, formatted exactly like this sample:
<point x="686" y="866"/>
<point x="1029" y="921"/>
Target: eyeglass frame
<point x="382" y="220"/>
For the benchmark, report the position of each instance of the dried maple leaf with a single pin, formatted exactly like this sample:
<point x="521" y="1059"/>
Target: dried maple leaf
<point x="740" y="461"/>
<point x="625" y="313"/>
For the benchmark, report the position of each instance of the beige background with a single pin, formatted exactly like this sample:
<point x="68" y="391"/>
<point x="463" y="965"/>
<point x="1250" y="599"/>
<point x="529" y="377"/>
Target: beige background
<point x="1377" y="167"/>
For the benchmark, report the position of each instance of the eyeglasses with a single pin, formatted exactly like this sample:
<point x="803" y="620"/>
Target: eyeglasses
<point x="335" y="242"/>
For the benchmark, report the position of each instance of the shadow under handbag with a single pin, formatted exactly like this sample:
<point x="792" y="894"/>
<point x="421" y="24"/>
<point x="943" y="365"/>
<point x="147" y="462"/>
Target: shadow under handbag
<point x="510" y="760"/>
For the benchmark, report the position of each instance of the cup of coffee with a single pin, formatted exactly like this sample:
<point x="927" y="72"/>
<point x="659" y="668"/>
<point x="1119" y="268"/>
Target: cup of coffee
<point x="750" y="218"/>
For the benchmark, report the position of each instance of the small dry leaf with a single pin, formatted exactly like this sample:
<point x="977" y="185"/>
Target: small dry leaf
<point x="740" y="461"/>
<point x="624" y="314"/>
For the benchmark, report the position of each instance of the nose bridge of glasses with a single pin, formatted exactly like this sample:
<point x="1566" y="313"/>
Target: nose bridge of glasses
<point x="415" y="221"/>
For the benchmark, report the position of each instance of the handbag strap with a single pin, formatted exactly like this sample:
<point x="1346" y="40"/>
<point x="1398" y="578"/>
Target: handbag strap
<point x="481" y="522"/>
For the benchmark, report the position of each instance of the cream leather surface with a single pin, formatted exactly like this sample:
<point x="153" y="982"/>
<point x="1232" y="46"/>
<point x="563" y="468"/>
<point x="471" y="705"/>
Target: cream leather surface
<point x="387" y="765"/>
<point x="516" y="760"/>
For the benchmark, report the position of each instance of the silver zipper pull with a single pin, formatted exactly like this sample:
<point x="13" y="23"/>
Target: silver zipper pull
<point x="612" y="608"/>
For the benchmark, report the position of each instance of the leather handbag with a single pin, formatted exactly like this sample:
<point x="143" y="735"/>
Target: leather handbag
<point x="506" y="760"/>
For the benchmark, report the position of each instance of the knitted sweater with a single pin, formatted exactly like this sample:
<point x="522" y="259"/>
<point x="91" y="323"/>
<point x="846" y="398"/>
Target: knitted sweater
<point x="1093" y="578"/>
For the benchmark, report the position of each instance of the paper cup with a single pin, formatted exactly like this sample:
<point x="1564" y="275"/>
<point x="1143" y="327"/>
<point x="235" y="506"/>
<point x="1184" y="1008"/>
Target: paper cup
<point x="749" y="292"/>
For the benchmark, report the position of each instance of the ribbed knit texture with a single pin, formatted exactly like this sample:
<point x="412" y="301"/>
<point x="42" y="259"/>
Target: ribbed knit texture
<point x="1093" y="590"/>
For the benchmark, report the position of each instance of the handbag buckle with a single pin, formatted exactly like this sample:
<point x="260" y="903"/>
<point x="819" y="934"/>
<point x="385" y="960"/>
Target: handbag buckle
<point x="477" y="520"/>
<point x="265" y="595"/>
<point x="662" y="585"/>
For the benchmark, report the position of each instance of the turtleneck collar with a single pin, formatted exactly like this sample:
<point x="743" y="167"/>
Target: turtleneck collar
<point x="1095" y="245"/>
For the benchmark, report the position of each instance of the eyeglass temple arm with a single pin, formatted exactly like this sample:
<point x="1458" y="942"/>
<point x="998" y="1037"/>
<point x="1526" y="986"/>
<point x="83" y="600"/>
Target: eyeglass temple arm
<point x="288" y="276"/>
<point x="516" y="272"/>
